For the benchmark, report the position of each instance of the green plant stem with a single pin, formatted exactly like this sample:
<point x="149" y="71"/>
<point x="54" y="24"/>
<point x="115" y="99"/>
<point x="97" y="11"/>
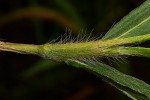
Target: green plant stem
<point x="135" y="51"/>
<point x="19" y="48"/>
<point x="114" y="47"/>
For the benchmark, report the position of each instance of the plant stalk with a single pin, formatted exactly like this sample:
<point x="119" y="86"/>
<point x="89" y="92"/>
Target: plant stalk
<point x="60" y="52"/>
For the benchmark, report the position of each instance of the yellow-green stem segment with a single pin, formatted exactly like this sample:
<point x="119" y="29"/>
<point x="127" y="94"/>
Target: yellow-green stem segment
<point x="113" y="47"/>
<point x="19" y="48"/>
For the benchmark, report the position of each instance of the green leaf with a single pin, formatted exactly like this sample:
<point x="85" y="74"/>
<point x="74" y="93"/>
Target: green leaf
<point x="132" y="87"/>
<point x="134" y="24"/>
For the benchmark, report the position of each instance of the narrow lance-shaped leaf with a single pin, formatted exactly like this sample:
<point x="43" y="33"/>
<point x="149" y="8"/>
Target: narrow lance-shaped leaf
<point x="132" y="87"/>
<point x="134" y="24"/>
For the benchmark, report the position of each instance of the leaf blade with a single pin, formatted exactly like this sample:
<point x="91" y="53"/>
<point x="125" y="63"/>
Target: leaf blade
<point x="127" y="84"/>
<point x="135" y="23"/>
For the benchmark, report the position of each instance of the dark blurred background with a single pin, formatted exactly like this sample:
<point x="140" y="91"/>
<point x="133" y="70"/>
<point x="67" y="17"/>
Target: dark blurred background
<point x="29" y="77"/>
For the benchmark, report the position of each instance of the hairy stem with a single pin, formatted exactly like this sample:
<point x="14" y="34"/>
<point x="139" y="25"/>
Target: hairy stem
<point x="113" y="47"/>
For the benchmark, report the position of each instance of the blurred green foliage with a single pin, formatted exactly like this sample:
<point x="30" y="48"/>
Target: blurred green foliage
<point x="24" y="77"/>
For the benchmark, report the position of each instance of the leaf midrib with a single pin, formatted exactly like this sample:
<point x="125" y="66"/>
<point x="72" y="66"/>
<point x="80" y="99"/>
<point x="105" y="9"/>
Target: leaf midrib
<point x="127" y="32"/>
